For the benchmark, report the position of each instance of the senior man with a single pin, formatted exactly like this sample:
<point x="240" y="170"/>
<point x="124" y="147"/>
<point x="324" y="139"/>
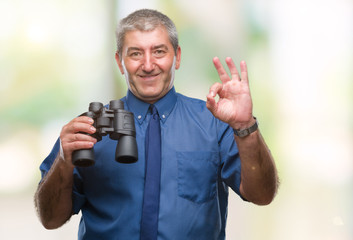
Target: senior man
<point x="179" y="188"/>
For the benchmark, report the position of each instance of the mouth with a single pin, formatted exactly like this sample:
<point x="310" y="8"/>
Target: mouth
<point x="148" y="76"/>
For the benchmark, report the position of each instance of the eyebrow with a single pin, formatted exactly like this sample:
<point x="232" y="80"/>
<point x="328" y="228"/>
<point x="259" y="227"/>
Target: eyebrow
<point x="154" y="47"/>
<point x="133" y="49"/>
<point x="160" y="46"/>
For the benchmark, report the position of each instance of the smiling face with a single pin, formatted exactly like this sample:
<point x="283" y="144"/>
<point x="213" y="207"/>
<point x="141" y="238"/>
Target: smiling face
<point x="147" y="61"/>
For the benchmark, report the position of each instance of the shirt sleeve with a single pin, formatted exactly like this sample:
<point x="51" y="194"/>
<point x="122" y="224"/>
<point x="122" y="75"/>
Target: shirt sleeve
<point x="230" y="160"/>
<point x="78" y="197"/>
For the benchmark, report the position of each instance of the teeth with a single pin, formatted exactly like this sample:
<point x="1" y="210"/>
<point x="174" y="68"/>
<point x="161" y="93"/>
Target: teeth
<point x="149" y="76"/>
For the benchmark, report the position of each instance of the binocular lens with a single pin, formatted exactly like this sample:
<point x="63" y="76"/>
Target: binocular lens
<point x="126" y="150"/>
<point x="83" y="157"/>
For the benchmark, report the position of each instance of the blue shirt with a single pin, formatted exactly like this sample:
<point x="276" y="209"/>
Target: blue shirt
<point x="200" y="161"/>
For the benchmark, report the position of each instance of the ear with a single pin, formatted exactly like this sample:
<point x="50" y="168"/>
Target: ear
<point x="118" y="61"/>
<point x="178" y="58"/>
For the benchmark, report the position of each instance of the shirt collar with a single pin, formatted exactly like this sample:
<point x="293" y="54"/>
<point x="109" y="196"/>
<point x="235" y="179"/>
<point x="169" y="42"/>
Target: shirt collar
<point x="139" y="108"/>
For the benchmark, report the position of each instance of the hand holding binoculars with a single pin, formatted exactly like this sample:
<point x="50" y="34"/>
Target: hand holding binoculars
<point x="116" y="122"/>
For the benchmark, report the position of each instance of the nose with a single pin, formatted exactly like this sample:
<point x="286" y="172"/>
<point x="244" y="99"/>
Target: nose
<point x="148" y="64"/>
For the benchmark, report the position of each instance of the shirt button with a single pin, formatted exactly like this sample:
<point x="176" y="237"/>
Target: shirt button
<point x="139" y="117"/>
<point x="163" y="116"/>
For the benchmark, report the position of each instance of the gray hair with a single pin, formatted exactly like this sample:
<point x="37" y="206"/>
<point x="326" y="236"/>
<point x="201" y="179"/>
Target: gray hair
<point x="145" y="20"/>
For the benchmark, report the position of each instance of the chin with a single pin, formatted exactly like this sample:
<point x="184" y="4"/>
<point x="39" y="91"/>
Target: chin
<point x="150" y="92"/>
<point x="152" y="97"/>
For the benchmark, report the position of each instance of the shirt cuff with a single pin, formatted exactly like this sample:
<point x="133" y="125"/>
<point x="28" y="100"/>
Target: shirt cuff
<point x="61" y="152"/>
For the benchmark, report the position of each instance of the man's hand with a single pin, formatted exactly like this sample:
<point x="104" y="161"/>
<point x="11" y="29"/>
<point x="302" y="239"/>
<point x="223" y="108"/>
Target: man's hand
<point x="259" y="181"/>
<point x="235" y="104"/>
<point x="72" y="137"/>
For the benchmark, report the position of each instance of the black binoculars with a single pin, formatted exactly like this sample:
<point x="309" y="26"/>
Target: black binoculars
<point x="116" y="122"/>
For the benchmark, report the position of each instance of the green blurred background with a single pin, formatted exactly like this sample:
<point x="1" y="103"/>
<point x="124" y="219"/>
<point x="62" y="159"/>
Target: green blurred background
<point x="57" y="56"/>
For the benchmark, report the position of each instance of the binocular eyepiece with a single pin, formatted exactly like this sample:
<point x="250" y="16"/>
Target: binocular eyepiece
<point x="116" y="122"/>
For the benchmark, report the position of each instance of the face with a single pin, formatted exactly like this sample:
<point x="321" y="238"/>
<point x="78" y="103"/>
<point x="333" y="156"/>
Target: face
<point x="147" y="62"/>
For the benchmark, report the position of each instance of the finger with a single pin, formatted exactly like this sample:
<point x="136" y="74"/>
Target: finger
<point x="244" y="71"/>
<point x="223" y="75"/>
<point x="215" y="89"/>
<point x="76" y="141"/>
<point x="69" y="147"/>
<point x="84" y="119"/>
<point x="211" y="103"/>
<point x="81" y="137"/>
<point x="233" y="69"/>
<point x="78" y="138"/>
<point x="76" y="126"/>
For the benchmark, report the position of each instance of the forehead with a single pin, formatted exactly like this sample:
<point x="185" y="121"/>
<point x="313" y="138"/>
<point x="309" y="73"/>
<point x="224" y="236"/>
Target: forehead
<point x="147" y="39"/>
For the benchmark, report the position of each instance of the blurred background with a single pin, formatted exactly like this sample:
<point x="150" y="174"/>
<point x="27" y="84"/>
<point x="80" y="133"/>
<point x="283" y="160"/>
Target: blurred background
<point x="57" y="56"/>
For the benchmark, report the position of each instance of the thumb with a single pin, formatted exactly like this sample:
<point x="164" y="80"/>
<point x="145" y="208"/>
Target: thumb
<point x="211" y="102"/>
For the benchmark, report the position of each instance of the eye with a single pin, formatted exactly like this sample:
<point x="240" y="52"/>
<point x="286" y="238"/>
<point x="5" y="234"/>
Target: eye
<point x="159" y="52"/>
<point x="135" y="54"/>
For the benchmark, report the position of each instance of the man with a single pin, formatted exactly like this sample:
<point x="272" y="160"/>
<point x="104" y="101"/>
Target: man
<point x="201" y="154"/>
